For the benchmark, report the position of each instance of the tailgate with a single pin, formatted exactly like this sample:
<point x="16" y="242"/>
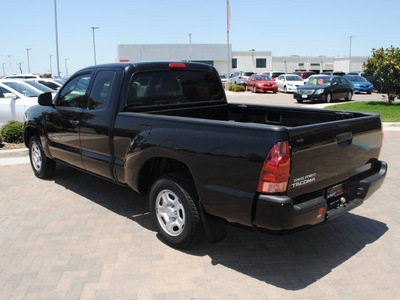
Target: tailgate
<point x="326" y="154"/>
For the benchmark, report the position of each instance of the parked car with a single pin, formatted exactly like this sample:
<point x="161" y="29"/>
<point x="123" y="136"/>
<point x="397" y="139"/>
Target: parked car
<point x="274" y="74"/>
<point x="14" y="100"/>
<point x="240" y="77"/>
<point x="261" y="83"/>
<point x="21" y="76"/>
<point x="360" y="84"/>
<point x="53" y="83"/>
<point x="304" y="74"/>
<point x="223" y="78"/>
<point x="326" y="73"/>
<point x="165" y="129"/>
<point x="325" y="88"/>
<point x="289" y="82"/>
<point x="20" y="84"/>
<point x="39" y="86"/>
<point x="338" y="73"/>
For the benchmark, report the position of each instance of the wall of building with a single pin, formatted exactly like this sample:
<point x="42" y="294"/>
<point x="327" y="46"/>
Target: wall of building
<point x="217" y="55"/>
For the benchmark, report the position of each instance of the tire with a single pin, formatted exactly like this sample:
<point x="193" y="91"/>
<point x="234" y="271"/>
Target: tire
<point x="285" y="89"/>
<point x="42" y="166"/>
<point x="275" y="92"/>
<point x="254" y="89"/>
<point x="299" y="100"/>
<point x="349" y="96"/>
<point x="173" y="208"/>
<point x="329" y="98"/>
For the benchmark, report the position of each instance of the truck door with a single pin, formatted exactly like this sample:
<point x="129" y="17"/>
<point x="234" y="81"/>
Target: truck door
<point x="63" y="123"/>
<point x="95" y="126"/>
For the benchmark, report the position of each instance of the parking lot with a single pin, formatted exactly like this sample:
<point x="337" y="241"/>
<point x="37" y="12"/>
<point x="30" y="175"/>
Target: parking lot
<point x="287" y="99"/>
<point x="80" y="237"/>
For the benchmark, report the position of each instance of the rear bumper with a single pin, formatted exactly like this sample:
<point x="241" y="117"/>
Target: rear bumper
<point x="281" y="212"/>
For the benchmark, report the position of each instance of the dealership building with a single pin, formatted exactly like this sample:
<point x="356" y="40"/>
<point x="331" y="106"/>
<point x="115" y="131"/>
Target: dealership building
<point x="217" y="56"/>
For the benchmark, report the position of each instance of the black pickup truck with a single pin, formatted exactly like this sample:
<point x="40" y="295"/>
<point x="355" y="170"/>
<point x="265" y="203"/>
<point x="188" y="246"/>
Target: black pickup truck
<point x="166" y="129"/>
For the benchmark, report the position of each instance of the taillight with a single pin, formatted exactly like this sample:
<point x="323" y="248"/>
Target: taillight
<point x="177" y="65"/>
<point x="240" y="77"/>
<point x="274" y="175"/>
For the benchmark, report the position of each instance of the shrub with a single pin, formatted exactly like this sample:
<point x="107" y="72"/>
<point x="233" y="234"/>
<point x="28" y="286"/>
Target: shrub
<point x="12" y="132"/>
<point x="237" y="88"/>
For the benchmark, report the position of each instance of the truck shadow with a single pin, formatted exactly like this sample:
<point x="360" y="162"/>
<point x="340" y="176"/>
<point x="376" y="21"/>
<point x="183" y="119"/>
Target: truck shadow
<point x="291" y="261"/>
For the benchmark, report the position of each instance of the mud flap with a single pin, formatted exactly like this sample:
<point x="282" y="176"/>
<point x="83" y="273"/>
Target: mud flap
<point x="214" y="227"/>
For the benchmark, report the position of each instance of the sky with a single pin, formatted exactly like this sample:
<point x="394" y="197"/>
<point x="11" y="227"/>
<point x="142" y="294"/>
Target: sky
<point x="285" y="27"/>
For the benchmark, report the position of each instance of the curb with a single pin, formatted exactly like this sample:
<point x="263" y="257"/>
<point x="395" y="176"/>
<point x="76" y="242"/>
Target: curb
<point x="14" y="153"/>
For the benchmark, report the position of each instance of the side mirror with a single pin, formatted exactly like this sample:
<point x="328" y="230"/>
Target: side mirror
<point x="10" y="96"/>
<point x="45" y="99"/>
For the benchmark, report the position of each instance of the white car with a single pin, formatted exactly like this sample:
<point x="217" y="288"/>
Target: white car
<point x="53" y="83"/>
<point x="15" y="98"/>
<point x="289" y="82"/>
<point x="22" y="76"/>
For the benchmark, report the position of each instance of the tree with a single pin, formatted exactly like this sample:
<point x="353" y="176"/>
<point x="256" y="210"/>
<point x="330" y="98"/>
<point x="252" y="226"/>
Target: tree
<point x="383" y="69"/>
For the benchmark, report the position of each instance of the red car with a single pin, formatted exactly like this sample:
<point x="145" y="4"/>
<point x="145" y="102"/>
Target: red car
<point x="261" y="83"/>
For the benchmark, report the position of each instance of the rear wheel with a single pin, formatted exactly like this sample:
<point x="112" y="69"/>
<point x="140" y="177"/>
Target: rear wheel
<point x="174" y="209"/>
<point x="42" y="166"/>
<point x="349" y="96"/>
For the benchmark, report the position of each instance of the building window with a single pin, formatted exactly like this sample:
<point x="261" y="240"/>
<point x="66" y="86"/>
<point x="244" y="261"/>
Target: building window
<point x="234" y="63"/>
<point x="315" y="64"/>
<point x="261" y="62"/>
<point x="301" y="64"/>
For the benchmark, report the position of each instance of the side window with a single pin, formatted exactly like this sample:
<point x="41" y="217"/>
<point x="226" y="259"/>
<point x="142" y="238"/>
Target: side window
<point x="100" y="94"/>
<point x="2" y="92"/>
<point x="74" y="94"/>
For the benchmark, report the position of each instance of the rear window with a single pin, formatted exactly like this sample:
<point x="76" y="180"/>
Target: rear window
<point x="173" y="87"/>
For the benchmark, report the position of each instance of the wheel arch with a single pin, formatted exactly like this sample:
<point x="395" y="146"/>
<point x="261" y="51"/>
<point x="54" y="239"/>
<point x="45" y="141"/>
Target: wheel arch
<point x="29" y="132"/>
<point x="156" y="167"/>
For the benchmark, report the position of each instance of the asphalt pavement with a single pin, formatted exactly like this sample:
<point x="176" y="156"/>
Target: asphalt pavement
<point x="80" y="237"/>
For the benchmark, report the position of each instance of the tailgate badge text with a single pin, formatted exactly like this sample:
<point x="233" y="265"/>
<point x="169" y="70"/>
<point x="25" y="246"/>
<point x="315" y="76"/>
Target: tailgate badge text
<point x="303" y="180"/>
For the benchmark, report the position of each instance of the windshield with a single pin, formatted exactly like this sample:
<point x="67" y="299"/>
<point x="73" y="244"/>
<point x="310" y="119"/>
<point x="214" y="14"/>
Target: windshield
<point x="357" y="78"/>
<point x="40" y="87"/>
<point x="320" y="80"/>
<point x="276" y="74"/>
<point x="263" y="77"/>
<point x="306" y="75"/>
<point x="23" y="89"/>
<point x="293" y="78"/>
<point x="247" y="73"/>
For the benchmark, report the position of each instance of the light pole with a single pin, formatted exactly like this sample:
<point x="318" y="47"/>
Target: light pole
<point x="51" y="67"/>
<point x="94" y="44"/>
<point x="27" y="54"/>
<point x="190" y="43"/>
<point x="350" y="37"/>
<point x="9" y="57"/>
<point x="57" y="54"/>
<point x="66" y="68"/>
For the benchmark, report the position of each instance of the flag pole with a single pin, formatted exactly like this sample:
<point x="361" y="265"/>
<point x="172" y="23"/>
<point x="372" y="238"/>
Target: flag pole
<point x="228" y="24"/>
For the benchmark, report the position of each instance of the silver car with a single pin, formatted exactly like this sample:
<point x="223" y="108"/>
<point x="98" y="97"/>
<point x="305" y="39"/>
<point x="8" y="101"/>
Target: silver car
<point x="240" y="77"/>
